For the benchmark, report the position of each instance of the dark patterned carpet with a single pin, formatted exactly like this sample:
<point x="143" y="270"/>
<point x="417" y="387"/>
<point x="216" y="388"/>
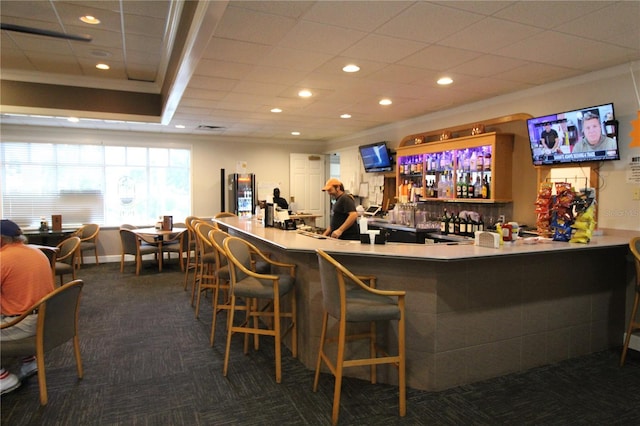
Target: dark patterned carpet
<point x="147" y="361"/>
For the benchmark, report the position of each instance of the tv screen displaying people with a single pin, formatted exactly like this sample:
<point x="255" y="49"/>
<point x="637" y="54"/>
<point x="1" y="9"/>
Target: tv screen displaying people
<point x="581" y="135"/>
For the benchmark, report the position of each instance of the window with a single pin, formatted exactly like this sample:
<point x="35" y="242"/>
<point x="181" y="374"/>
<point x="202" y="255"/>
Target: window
<point x="108" y="185"/>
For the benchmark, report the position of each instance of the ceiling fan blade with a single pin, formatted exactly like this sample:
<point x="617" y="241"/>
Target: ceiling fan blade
<point x="47" y="33"/>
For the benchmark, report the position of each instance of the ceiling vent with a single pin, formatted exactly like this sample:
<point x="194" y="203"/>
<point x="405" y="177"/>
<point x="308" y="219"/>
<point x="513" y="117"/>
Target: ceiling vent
<point x="210" y="128"/>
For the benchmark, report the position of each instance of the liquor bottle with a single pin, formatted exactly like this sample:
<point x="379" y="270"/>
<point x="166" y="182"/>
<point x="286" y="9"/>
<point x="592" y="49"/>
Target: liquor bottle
<point x="480" y="160"/>
<point x="473" y="161"/>
<point x="480" y="224"/>
<point x="485" y="188"/>
<point x="456" y="225"/>
<point x="472" y="227"/>
<point x="487" y="159"/>
<point x="464" y="223"/>
<point x="444" y="223"/>
<point x="477" y="188"/>
<point x="451" y="229"/>
<point x="465" y="187"/>
<point x="470" y="188"/>
<point x="459" y="187"/>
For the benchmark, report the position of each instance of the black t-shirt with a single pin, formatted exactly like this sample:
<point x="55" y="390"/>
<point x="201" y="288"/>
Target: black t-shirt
<point x="340" y="212"/>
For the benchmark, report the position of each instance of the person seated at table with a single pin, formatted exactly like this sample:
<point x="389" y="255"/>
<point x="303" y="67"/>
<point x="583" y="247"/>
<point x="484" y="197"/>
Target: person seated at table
<point x="25" y="278"/>
<point x="278" y="200"/>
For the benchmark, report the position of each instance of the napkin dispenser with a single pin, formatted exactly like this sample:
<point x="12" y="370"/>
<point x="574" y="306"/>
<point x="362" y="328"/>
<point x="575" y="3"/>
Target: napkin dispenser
<point x="487" y="239"/>
<point x="267" y="218"/>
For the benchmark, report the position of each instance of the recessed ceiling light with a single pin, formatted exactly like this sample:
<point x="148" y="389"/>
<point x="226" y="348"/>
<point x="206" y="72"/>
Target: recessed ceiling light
<point x="295" y="133"/>
<point x="305" y="93"/>
<point x="276" y="110"/>
<point x="445" y="80"/>
<point x="351" y="68"/>
<point x="103" y="66"/>
<point x="180" y="126"/>
<point x="385" y="102"/>
<point x="88" y="19"/>
<point x="345" y="116"/>
<point x="73" y="119"/>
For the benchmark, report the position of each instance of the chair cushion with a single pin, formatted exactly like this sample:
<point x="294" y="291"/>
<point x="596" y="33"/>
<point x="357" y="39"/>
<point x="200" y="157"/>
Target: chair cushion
<point x="223" y="273"/>
<point x="148" y="249"/>
<point x="87" y="245"/>
<point x="263" y="267"/>
<point x="63" y="269"/>
<point x="209" y="258"/>
<point x="364" y="306"/>
<point x="262" y="289"/>
<point x="21" y="347"/>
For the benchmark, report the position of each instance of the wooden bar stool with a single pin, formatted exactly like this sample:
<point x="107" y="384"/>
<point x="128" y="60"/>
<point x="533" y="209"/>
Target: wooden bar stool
<point x="253" y="286"/>
<point x="348" y="299"/>
<point x="634" y="325"/>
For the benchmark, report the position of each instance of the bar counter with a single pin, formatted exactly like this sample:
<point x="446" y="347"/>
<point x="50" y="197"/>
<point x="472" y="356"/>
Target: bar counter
<point x="472" y="313"/>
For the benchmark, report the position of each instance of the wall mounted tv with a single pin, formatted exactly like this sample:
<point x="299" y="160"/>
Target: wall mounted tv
<point x="376" y="157"/>
<point x="578" y="136"/>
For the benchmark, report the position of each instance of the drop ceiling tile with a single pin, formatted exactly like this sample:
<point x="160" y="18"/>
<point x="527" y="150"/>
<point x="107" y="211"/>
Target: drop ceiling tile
<point x="439" y="58"/>
<point x="383" y="49"/>
<point x="548" y="14"/>
<point x="400" y="74"/>
<point x="488" y="35"/>
<point x="202" y="82"/>
<point x="293" y="59"/>
<point x="536" y="74"/>
<point x="625" y="14"/>
<point x="316" y="37"/>
<point x="427" y="22"/>
<point x="213" y="68"/>
<point x="235" y="51"/>
<point x="276" y="75"/>
<point x="488" y="65"/>
<point x="291" y="9"/>
<point x="247" y="25"/>
<point x="360" y="15"/>
<point x="333" y="67"/>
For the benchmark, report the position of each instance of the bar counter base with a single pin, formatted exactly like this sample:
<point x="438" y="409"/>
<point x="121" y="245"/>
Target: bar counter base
<point x="474" y="319"/>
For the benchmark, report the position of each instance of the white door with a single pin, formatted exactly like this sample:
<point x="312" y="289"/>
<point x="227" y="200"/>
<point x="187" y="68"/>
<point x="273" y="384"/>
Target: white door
<point x="306" y="179"/>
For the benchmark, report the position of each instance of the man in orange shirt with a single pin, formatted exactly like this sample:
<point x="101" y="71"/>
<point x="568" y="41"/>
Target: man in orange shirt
<point x="25" y="278"/>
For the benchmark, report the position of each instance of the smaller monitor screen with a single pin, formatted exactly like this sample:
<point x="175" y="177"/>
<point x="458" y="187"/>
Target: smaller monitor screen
<point x="585" y="134"/>
<point x="375" y="157"/>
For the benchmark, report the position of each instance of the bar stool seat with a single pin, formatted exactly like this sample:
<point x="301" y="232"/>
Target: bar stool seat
<point x="253" y="286"/>
<point x="348" y="299"/>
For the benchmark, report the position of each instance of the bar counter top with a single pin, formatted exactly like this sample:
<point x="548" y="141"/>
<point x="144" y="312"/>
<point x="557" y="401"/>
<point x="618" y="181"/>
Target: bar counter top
<point x="295" y="241"/>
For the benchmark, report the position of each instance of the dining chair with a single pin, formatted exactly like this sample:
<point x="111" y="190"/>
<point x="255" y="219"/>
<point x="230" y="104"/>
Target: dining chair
<point x="88" y="240"/>
<point x="178" y="243"/>
<point x="57" y="324"/>
<point x="253" y="287"/>
<point x="52" y="255"/>
<point x="348" y="300"/>
<point x="634" y="324"/>
<point x="204" y="279"/>
<point x="132" y="245"/>
<point x="67" y="258"/>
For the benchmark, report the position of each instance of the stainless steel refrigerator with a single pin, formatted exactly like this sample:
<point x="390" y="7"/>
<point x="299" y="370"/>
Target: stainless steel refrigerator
<point x="242" y="194"/>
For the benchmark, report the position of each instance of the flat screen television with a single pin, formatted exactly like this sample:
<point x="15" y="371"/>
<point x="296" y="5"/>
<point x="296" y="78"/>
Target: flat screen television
<point x="376" y="157"/>
<point x="578" y="136"/>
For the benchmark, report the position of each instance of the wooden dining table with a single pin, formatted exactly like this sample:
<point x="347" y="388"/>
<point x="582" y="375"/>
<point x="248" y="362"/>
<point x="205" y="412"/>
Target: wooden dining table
<point x="158" y="236"/>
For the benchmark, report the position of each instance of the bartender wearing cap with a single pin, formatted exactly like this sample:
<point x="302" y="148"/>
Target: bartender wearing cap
<point x="343" y="213"/>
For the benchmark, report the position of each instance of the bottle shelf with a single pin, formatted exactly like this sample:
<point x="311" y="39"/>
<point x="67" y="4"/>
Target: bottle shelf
<point x="481" y="161"/>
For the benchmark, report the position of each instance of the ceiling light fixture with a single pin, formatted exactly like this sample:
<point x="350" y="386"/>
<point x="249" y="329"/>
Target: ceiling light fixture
<point x="276" y="110"/>
<point x="305" y="93"/>
<point x="103" y="66"/>
<point x="345" y="116"/>
<point x="295" y="133"/>
<point x="445" y="81"/>
<point x="73" y="119"/>
<point x="385" y="102"/>
<point x="180" y="126"/>
<point x="351" y="68"/>
<point x="91" y="20"/>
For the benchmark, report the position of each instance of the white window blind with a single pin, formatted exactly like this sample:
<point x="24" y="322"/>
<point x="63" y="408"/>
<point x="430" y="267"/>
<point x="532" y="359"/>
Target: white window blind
<point x="108" y="185"/>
